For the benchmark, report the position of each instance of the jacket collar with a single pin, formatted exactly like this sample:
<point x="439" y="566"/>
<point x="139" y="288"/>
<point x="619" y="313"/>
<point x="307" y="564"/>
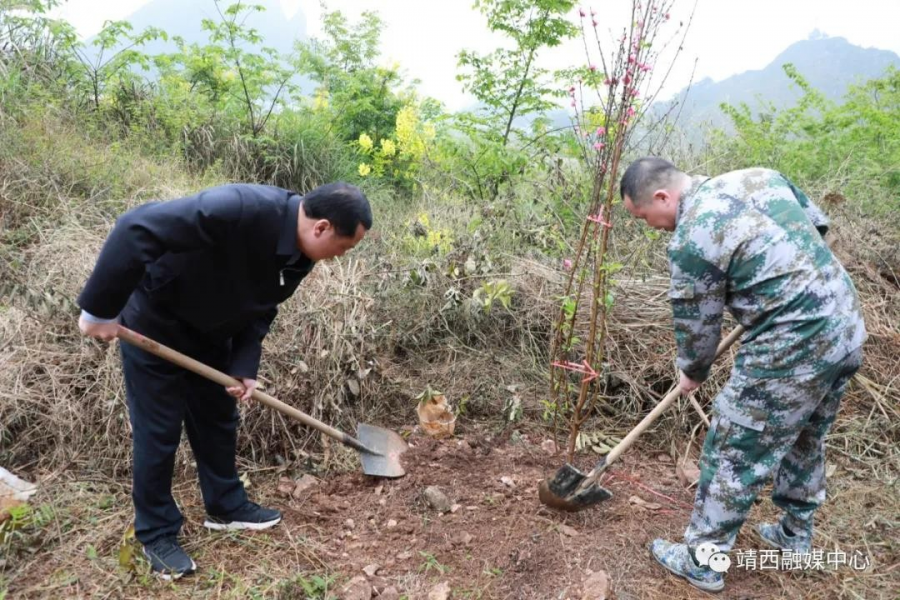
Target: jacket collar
<point x="287" y="241"/>
<point x="687" y="195"/>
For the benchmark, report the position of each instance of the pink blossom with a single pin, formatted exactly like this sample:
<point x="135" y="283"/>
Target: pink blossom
<point x="630" y="111"/>
<point x="667" y="16"/>
<point x="567" y="264"/>
<point x="581" y="12"/>
<point x="593" y="68"/>
<point x="627" y="79"/>
<point x="599" y="146"/>
<point x="601" y="131"/>
<point x="635" y="93"/>
<point x="573" y="103"/>
<point x="593" y="14"/>
<point x="594" y="22"/>
<point x="631" y="58"/>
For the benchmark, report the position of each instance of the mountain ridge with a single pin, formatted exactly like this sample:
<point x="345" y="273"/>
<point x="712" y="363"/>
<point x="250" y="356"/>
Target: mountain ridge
<point x="829" y="64"/>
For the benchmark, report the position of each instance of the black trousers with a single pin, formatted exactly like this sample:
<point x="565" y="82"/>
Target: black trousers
<point x="162" y="396"/>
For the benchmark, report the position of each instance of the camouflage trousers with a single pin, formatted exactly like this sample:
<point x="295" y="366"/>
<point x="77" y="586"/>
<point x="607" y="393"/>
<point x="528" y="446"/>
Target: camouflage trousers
<point x="763" y="428"/>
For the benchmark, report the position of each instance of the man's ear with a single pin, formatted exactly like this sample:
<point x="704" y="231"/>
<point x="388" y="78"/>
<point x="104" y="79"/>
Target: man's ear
<point x="662" y="195"/>
<point x="321" y="226"/>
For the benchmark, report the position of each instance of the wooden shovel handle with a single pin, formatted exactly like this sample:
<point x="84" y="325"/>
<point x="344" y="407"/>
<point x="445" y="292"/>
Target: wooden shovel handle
<point x="663" y="405"/>
<point x="186" y="362"/>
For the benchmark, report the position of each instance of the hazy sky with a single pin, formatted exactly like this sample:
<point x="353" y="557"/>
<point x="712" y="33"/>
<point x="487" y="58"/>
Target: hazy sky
<point x="726" y="37"/>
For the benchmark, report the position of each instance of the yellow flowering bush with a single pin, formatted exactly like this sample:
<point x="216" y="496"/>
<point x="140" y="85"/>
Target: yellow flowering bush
<point x="388" y="148"/>
<point x="411" y="137"/>
<point x="421" y="239"/>
<point x="320" y="100"/>
<point x="398" y="156"/>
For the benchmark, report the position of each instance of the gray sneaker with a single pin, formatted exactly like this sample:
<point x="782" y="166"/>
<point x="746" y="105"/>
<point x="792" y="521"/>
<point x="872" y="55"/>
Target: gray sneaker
<point x="677" y="559"/>
<point x="775" y="536"/>
<point x="167" y="559"/>
<point x="249" y="516"/>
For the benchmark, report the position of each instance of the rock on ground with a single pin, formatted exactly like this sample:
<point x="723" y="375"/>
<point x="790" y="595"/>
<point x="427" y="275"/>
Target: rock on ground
<point x="357" y="588"/>
<point x="437" y="499"/>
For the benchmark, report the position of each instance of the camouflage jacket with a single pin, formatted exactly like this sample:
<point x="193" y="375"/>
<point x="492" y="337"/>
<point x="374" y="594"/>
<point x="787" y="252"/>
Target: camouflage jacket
<point x="748" y="240"/>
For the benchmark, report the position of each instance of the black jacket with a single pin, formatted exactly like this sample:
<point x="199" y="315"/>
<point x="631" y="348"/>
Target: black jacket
<point x="219" y="262"/>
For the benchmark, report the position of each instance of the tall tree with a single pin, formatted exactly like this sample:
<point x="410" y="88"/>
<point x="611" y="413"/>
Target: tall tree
<point x="364" y="97"/>
<point x="508" y="81"/>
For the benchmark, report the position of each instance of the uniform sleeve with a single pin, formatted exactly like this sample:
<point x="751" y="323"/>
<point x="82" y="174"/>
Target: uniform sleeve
<point x="148" y="232"/>
<point x="246" y="346"/>
<point x="813" y="212"/>
<point x="697" y="295"/>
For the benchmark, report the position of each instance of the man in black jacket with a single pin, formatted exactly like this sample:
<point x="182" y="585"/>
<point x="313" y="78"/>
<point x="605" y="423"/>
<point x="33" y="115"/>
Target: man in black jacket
<point x="204" y="275"/>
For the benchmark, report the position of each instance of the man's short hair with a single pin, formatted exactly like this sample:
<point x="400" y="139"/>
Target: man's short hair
<point x="341" y="204"/>
<point x="644" y="176"/>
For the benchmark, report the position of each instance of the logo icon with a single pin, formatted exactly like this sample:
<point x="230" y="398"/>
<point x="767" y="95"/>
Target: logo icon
<point x="709" y="555"/>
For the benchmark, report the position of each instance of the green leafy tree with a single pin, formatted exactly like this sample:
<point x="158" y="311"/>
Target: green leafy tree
<point x="236" y="106"/>
<point x="509" y="82"/>
<point x="230" y="80"/>
<point x="35" y="49"/>
<point x="260" y="78"/>
<point x="115" y="57"/>
<point x="362" y="97"/>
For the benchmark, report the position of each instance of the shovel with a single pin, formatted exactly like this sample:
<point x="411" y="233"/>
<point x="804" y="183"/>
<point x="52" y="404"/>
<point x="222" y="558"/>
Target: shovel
<point x="379" y="449"/>
<point x="571" y="490"/>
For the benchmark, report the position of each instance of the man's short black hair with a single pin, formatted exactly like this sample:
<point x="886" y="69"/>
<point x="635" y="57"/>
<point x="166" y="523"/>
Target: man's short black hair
<point x="646" y="174"/>
<point x="342" y="204"/>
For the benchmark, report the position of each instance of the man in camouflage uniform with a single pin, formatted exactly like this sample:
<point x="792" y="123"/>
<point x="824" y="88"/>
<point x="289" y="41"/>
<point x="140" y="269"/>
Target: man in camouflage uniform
<point x="752" y="242"/>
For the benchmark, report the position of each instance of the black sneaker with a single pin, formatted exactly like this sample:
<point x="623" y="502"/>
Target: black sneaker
<point x="167" y="559"/>
<point x="249" y="516"/>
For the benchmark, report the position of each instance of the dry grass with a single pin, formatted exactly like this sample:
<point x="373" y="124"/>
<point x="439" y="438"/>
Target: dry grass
<point x="357" y="340"/>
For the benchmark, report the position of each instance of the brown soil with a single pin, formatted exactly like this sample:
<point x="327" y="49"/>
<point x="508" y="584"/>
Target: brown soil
<point x="501" y="542"/>
<point x="498" y="541"/>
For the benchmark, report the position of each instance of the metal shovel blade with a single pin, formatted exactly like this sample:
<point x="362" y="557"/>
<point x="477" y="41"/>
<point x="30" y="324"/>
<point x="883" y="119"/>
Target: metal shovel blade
<point x="381" y="455"/>
<point x="565" y="491"/>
